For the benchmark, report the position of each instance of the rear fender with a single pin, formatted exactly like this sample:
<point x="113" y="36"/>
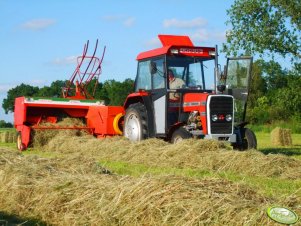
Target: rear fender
<point x="134" y="98"/>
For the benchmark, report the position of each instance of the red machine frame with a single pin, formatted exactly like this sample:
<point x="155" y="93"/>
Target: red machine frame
<point x="101" y="121"/>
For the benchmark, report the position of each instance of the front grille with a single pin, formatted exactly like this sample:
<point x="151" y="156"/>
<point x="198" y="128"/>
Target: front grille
<point x="221" y="106"/>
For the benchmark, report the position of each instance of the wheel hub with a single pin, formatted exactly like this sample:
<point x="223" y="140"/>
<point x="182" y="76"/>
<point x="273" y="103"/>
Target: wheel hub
<point x="132" y="128"/>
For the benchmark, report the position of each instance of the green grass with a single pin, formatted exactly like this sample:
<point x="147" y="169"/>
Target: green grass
<point x="7" y="129"/>
<point x="268" y="186"/>
<point x="9" y="145"/>
<point x="43" y="154"/>
<point x="266" y="147"/>
<point x="294" y="126"/>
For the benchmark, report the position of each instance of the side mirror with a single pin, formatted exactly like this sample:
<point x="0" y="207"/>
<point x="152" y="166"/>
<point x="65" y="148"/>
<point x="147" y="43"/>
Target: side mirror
<point x="224" y="73"/>
<point x="222" y="80"/>
<point x="221" y="88"/>
<point x="153" y="67"/>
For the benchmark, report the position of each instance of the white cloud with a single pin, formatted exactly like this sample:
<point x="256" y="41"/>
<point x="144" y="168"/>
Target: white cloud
<point x="112" y="18"/>
<point x="201" y="35"/>
<point x="153" y="43"/>
<point x="220" y="36"/>
<point x="38" y="24"/>
<point x="206" y="35"/>
<point x="127" y="21"/>
<point x="65" y="61"/>
<point x="194" y="23"/>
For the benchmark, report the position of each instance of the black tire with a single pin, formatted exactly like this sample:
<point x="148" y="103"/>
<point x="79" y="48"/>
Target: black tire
<point x="135" y="122"/>
<point x="20" y="145"/>
<point x="180" y="134"/>
<point x="249" y="140"/>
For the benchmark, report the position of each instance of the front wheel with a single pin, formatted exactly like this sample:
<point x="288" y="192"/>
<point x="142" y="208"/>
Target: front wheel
<point x="179" y="135"/>
<point x="135" y="122"/>
<point x="249" y="140"/>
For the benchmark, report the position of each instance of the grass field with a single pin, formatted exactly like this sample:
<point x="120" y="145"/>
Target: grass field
<point x="265" y="146"/>
<point x="151" y="182"/>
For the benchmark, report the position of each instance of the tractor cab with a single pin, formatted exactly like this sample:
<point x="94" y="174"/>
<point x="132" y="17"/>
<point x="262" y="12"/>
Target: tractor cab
<point x="180" y="93"/>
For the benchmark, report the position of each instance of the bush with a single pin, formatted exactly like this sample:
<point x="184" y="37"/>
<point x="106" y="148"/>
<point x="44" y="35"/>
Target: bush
<point x="4" y="124"/>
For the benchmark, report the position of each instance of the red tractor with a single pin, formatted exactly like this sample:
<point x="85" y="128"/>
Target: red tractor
<point x="172" y="99"/>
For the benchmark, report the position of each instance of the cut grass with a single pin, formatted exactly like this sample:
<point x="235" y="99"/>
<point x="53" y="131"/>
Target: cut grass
<point x="70" y="191"/>
<point x="267" y="185"/>
<point x="135" y="168"/>
<point x="43" y="154"/>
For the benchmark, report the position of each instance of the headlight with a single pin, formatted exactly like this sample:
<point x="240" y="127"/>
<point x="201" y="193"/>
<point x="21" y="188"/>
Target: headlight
<point x="174" y="51"/>
<point x="214" y="118"/>
<point x="228" y="118"/>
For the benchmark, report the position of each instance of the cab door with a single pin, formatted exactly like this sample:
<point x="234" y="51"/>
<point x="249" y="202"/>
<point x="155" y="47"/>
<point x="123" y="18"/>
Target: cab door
<point x="238" y="77"/>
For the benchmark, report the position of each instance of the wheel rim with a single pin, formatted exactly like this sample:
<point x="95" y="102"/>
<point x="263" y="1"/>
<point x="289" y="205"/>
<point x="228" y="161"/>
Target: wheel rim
<point x="133" y="128"/>
<point x="19" y="142"/>
<point x="177" y="139"/>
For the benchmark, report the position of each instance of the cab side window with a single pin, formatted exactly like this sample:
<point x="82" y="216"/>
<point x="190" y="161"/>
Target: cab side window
<point x="158" y="75"/>
<point x="143" y="80"/>
<point x="150" y="74"/>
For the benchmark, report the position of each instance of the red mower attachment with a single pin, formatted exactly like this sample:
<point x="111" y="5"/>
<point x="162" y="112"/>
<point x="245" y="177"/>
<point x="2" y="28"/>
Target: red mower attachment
<point x="88" y="68"/>
<point x="34" y="113"/>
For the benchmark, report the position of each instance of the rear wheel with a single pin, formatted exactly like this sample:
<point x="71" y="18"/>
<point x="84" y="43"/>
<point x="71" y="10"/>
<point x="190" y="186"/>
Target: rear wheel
<point x="20" y="145"/>
<point x="135" y="122"/>
<point x="179" y="135"/>
<point x="249" y="140"/>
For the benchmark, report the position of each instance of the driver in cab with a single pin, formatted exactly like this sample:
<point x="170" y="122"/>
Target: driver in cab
<point x="174" y="83"/>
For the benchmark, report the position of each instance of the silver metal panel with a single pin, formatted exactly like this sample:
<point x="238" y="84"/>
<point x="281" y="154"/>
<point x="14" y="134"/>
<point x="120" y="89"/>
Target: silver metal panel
<point x="226" y="137"/>
<point x="160" y="113"/>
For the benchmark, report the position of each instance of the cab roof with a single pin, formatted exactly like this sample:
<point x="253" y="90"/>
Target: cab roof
<point x="170" y="41"/>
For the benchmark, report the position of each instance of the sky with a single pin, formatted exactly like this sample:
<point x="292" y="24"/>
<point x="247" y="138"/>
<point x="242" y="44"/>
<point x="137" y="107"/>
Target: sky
<point x="40" y="40"/>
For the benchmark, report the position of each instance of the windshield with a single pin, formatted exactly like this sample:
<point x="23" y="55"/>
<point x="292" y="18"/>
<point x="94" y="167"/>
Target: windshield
<point x="192" y="70"/>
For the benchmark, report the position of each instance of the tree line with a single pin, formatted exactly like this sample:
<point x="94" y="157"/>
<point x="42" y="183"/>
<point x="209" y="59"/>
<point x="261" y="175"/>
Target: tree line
<point x="111" y="92"/>
<point x="274" y="93"/>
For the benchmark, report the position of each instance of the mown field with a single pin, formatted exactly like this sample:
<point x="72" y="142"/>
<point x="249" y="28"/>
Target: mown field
<point x="74" y="179"/>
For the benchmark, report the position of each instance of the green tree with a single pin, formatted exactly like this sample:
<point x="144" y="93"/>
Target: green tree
<point x="258" y="85"/>
<point x="112" y="92"/>
<point x="274" y="93"/>
<point x="275" y="76"/>
<point x="96" y="89"/>
<point x="266" y="27"/>
<point x="54" y="90"/>
<point x="288" y="98"/>
<point x="21" y="90"/>
<point x="4" y="124"/>
<point x="118" y="91"/>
